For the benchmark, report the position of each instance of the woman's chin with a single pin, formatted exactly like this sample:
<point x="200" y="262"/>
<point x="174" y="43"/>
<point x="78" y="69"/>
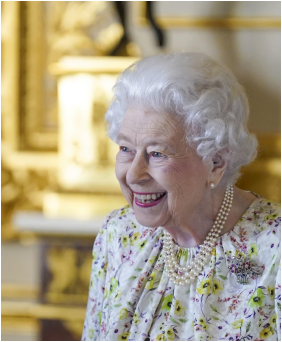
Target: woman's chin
<point x="148" y="220"/>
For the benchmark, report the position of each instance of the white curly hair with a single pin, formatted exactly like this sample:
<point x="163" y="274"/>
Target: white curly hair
<point x="203" y="93"/>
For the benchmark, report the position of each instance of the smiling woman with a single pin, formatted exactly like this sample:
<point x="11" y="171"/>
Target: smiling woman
<point x="192" y="257"/>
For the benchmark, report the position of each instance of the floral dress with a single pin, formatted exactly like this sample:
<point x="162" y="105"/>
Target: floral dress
<point x="132" y="298"/>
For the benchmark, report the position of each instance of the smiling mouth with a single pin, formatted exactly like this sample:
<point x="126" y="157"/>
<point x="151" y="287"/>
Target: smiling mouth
<point x="148" y="198"/>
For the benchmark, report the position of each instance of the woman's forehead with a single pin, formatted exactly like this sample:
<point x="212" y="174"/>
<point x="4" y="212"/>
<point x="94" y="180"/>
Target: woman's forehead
<point x="150" y="121"/>
<point x="151" y="126"/>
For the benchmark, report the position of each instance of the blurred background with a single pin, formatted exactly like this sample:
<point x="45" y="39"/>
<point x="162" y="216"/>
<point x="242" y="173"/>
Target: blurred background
<point x="59" y="62"/>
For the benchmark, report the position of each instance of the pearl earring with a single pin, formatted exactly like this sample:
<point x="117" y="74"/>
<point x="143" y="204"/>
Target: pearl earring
<point x="212" y="185"/>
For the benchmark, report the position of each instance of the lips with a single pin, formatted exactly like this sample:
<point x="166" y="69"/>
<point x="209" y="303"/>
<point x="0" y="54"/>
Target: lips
<point x="145" y="200"/>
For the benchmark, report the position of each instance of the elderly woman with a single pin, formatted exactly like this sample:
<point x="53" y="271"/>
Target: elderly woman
<point x="192" y="257"/>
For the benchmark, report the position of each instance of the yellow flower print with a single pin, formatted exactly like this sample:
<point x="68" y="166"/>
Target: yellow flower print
<point x="123" y="313"/>
<point x="273" y="319"/>
<point x="151" y="281"/>
<point x="179" y="310"/>
<point x="99" y="315"/>
<point x="204" y="287"/>
<point x="253" y="250"/>
<point x="91" y="334"/>
<point x="142" y="244"/>
<point x="123" y="337"/>
<point x="124" y="241"/>
<point x="136" y="319"/>
<point x="179" y="253"/>
<point x="105" y="293"/>
<point x="256" y="299"/>
<point x="271" y="217"/>
<point x="202" y="321"/>
<point x="133" y="225"/>
<point x="134" y="238"/>
<point x="205" y="326"/>
<point x="169" y="334"/>
<point x="213" y="251"/>
<point x="94" y="256"/>
<point x="150" y="261"/>
<point x="271" y="291"/>
<point x="238" y="253"/>
<point x="266" y="332"/>
<point x="160" y="337"/>
<point x="125" y="210"/>
<point x="185" y="255"/>
<point x="101" y="274"/>
<point x="237" y="324"/>
<point x="167" y="302"/>
<point x="216" y="286"/>
<point x="113" y="284"/>
<point x="260" y="322"/>
<point x="117" y="295"/>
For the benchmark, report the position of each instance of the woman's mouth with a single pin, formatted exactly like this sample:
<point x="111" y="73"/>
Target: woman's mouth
<point x="148" y="200"/>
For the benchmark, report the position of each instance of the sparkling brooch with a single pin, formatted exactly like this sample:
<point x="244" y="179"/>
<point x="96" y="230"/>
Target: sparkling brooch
<point x="245" y="269"/>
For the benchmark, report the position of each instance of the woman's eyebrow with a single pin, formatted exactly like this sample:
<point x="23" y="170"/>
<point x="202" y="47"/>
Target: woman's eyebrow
<point x="161" y="142"/>
<point x="121" y="136"/>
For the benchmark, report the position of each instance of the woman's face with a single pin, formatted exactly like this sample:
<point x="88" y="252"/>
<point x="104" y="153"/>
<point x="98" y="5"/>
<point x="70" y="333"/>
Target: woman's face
<point x="162" y="178"/>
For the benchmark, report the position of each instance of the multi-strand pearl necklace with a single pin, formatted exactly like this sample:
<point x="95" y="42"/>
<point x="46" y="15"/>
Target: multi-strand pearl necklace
<point x="182" y="275"/>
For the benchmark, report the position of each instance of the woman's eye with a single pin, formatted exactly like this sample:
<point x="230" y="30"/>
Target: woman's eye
<point x="156" y="154"/>
<point x="124" y="148"/>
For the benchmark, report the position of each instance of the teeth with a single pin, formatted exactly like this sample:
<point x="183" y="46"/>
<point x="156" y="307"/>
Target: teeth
<point x="148" y="198"/>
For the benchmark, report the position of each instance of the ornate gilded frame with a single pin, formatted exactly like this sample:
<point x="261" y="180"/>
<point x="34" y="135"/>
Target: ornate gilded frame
<point x="231" y="23"/>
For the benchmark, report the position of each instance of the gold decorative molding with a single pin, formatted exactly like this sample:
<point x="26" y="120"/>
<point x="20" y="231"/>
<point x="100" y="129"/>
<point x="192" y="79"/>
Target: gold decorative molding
<point x="10" y="66"/>
<point x="19" y="291"/>
<point x="228" y="23"/>
<point x="90" y="65"/>
<point x="41" y="311"/>
<point x="18" y="326"/>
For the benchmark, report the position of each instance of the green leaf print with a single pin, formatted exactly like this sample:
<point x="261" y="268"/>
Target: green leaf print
<point x="183" y="320"/>
<point x="174" y="321"/>
<point x="215" y="318"/>
<point x="214" y="309"/>
<point x="223" y="277"/>
<point x="132" y="277"/>
<point x="248" y="327"/>
<point x="279" y="306"/>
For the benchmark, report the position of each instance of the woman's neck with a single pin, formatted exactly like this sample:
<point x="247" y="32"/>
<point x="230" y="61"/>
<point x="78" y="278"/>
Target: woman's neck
<point x="197" y="226"/>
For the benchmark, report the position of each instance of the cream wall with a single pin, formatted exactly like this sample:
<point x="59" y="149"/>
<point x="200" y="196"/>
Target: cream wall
<point x="253" y="54"/>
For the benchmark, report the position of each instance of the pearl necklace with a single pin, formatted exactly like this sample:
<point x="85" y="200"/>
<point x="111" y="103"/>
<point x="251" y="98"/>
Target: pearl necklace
<point x="182" y="275"/>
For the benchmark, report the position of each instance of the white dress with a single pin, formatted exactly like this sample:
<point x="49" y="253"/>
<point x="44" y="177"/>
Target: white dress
<point x="132" y="298"/>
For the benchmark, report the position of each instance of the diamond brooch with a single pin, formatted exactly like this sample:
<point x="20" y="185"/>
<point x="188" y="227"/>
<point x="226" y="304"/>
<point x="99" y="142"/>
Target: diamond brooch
<point x="245" y="269"/>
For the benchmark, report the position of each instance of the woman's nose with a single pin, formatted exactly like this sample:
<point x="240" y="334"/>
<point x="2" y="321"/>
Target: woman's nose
<point x="138" y="170"/>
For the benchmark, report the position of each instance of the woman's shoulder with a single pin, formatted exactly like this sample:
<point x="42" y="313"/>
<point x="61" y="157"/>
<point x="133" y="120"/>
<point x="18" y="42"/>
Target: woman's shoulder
<point x="263" y="217"/>
<point x="121" y="221"/>
<point x="121" y="215"/>
<point x="266" y="210"/>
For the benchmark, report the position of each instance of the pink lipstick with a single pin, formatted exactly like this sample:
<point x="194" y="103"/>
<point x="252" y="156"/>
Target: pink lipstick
<point x="149" y="204"/>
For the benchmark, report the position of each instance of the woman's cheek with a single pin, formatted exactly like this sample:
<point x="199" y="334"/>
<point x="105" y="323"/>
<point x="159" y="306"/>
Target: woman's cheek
<point x="121" y="170"/>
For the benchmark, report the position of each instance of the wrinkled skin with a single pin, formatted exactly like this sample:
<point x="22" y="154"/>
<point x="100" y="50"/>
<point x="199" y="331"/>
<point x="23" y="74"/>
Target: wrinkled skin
<point x="154" y="158"/>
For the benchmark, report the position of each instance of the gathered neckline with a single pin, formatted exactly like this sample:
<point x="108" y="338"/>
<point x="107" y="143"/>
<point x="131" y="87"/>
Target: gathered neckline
<point x="227" y="234"/>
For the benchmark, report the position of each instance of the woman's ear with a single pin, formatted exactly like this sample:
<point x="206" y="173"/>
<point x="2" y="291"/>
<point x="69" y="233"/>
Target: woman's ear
<point x="218" y="167"/>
